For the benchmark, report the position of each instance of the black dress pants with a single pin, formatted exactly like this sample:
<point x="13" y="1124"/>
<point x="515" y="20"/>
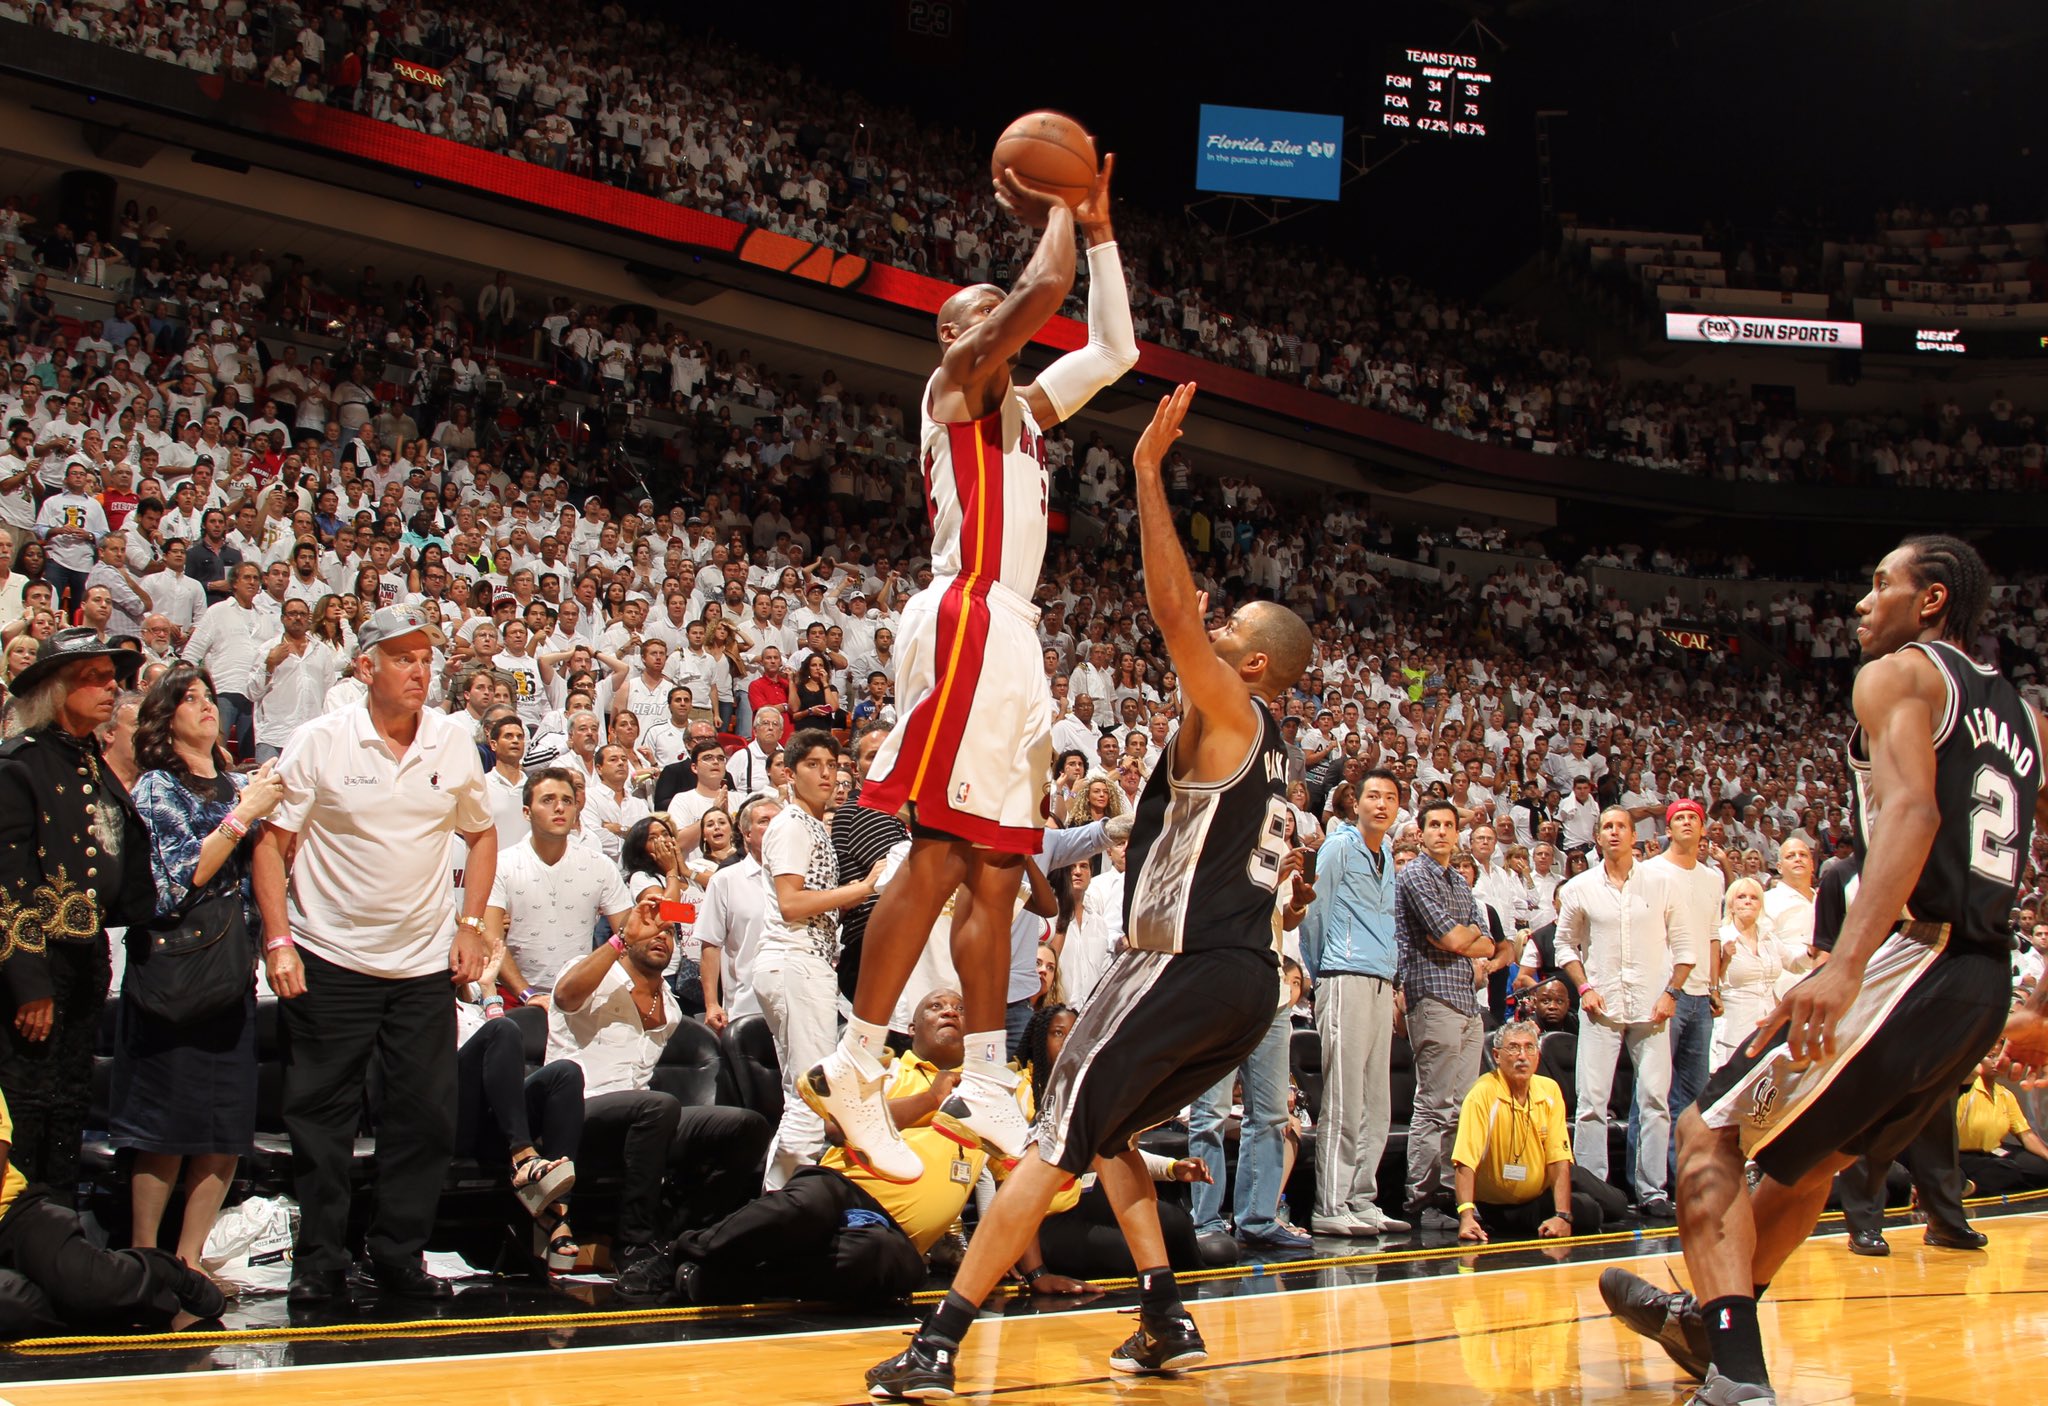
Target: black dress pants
<point x="1522" y="1220"/>
<point x="1930" y="1161"/>
<point x="53" y="1279"/>
<point x="795" y="1243"/>
<point x="329" y="1034"/>
<point x="705" y="1162"/>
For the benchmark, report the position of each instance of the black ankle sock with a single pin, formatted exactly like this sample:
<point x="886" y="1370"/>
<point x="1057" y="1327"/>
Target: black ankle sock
<point x="1736" y="1343"/>
<point x="950" y="1320"/>
<point x="1760" y="1290"/>
<point x="1157" y="1292"/>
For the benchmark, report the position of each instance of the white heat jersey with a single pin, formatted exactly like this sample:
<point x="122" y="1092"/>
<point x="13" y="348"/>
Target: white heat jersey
<point x="985" y="489"/>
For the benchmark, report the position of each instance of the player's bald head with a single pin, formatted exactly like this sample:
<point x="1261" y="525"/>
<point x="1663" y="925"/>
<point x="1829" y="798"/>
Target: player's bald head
<point x="955" y="311"/>
<point x="1264" y="627"/>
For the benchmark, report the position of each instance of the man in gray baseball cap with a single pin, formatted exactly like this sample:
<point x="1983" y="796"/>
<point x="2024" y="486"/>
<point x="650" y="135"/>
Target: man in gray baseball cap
<point x="360" y="940"/>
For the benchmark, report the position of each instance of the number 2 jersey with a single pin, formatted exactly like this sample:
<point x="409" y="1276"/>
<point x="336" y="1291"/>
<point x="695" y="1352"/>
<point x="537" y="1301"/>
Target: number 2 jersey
<point x="1987" y="773"/>
<point x="1205" y="860"/>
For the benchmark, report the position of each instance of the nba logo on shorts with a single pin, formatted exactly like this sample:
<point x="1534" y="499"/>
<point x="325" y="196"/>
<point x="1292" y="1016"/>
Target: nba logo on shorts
<point x="960" y="794"/>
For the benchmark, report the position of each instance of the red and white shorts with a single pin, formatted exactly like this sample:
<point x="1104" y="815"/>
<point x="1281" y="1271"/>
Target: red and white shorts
<point x="972" y="747"/>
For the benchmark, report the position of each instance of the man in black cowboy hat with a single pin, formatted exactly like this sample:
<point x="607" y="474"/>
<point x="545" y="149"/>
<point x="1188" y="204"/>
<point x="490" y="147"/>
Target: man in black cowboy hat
<point x="74" y="860"/>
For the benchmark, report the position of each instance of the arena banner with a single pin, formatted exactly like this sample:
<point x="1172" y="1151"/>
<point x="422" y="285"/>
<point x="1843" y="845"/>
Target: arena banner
<point x="420" y="73"/>
<point x="1742" y="330"/>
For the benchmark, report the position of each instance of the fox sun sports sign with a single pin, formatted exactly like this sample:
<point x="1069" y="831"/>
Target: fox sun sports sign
<point x="1727" y="329"/>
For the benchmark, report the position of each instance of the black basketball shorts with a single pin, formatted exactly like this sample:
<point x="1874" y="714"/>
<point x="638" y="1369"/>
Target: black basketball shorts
<point x="1158" y="1031"/>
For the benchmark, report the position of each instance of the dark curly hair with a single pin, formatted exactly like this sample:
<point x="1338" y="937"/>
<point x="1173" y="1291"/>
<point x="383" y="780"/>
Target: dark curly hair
<point x="1031" y="1047"/>
<point x="155" y="748"/>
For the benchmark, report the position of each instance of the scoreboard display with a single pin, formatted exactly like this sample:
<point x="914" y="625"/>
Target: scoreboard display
<point x="1435" y="93"/>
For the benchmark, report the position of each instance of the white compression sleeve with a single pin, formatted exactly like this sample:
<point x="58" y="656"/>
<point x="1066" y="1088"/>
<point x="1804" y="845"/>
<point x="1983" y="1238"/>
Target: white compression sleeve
<point x="1112" y="349"/>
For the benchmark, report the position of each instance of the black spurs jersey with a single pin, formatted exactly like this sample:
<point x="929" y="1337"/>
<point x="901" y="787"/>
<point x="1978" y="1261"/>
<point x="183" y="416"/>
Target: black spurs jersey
<point x="1987" y="773"/>
<point x="1205" y="860"/>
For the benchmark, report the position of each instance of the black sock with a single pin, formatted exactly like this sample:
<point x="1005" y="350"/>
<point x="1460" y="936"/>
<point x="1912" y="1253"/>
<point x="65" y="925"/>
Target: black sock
<point x="1735" y="1342"/>
<point x="950" y="1320"/>
<point x="1760" y="1290"/>
<point x="1157" y="1293"/>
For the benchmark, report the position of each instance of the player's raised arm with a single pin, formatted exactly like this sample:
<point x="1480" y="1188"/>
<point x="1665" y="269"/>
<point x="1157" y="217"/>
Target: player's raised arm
<point x="984" y="330"/>
<point x="1213" y="689"/>
<point x="1075" y="379"/>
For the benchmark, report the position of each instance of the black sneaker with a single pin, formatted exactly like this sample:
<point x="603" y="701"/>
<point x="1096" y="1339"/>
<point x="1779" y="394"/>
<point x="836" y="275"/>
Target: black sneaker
<point x="646" y="1273"/>
<point x="1161" y="1344"/>
<point x="1657" y="1208"/>
<point x="1670" y="1320"/>
<point x="921" y="1372"/>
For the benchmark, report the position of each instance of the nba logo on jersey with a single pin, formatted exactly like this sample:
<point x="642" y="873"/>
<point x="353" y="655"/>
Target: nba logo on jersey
<point x="960" y="794"/>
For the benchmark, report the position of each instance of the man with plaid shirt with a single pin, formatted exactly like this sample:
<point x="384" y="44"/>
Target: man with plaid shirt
<point x="1436" y="924"/>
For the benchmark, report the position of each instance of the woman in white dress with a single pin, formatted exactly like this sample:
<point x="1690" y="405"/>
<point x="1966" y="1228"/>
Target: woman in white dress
<point x="1750" y="968"/>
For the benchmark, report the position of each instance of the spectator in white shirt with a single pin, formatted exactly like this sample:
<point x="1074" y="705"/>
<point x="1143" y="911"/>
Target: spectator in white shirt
<point x="1579" y="814"/>
<point x="550" y="892"/>
<point x="225" y="643"/>
<point x="793" y="971"/>
<point x="290" y="688"/>
<point x="360" y="940"/>
<point x="610" y="809"/>
<point x="1623" y="938"/>
<point x="1788" y="905"/>
<point x="613" y="1014"/>
<point x="1095" y="933"/>
<point x="729" y="924"/>
<point x="505" y="782"/>
<point x="686" y="810"/>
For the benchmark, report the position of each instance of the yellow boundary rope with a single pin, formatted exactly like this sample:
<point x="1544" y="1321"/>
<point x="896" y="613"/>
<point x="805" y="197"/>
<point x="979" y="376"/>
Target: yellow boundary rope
<point x="623" y="1317"/>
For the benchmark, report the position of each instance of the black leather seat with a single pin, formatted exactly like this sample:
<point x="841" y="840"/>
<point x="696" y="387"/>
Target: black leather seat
<point x="750" y="1061"/>
<point x="689" y="1066"/>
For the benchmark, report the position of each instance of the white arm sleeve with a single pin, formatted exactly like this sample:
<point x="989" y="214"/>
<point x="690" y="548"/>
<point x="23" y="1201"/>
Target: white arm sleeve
<point x="1072" y="381"/>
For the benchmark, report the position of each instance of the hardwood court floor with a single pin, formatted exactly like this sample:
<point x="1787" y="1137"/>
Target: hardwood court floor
<point x="1929" y="1327"/>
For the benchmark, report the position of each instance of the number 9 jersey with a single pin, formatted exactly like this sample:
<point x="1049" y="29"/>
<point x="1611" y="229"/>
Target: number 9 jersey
<point x="1987" y="773"/>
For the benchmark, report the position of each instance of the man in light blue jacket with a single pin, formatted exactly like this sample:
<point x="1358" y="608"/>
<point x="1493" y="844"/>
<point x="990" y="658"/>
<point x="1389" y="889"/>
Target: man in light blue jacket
<point x="1348" y="950"/>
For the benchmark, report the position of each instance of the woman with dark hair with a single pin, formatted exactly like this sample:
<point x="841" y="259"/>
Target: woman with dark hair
<point x="1080" y="1238"/>
<point x="718" y="844"/>
<point x="817" y="702"/>
<point x="185" y="1090"/>
<point x="649" y="857"/>
<point x="30" y="560"/>
<point x="328" y="625"/>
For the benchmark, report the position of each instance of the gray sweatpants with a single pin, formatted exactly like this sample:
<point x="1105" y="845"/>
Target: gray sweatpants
<point x="1355" y="1018"/>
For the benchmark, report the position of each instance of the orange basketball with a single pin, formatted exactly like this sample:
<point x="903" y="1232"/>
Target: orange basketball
<point x="1050" y="152"/>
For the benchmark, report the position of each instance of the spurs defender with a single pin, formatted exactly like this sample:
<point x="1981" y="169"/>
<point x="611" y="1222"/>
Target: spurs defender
<point x="1855" y="1059"/>
<point x="968" y="763"/>
<point x="1191" y="993"/>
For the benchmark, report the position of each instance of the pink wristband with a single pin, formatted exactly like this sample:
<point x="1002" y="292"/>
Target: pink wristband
<point x="618" y="944"/>
<point x="233" y="826"/>
<point x="279" y="943"/>
<point x="1584" y="989"/>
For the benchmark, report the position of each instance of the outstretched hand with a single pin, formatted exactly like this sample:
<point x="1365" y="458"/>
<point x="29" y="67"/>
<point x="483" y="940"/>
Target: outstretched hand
<point x="1163" y="431"/>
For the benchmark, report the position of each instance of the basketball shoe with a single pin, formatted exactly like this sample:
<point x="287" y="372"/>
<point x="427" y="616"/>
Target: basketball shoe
<point x="1161" y="1344"/>
<point x="984" y="1104"/>
<point x="1718" y="1390"/>
<point x="849" y="1088"/>
<point x="921" y="1372"/>
<point x="1670" y="1320"/>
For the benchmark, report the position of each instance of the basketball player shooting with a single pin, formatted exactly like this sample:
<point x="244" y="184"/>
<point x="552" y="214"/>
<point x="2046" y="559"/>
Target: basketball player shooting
<point x="1947" y="764"/>
<point x="1192" y="991"/>
<point x="968" y="762"/>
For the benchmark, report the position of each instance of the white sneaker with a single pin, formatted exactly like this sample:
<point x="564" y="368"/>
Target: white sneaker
<point x="1378" y="1222"/>
<point x="984" y="1107"/>
<point x="840" y="1090"/>
<point x="1343" y="1223"/>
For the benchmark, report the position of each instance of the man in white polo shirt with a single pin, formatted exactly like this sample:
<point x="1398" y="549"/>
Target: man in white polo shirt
<point x="729" y="923"/>
<point x="360" y="942"/>
<point x="549" y="893"/>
